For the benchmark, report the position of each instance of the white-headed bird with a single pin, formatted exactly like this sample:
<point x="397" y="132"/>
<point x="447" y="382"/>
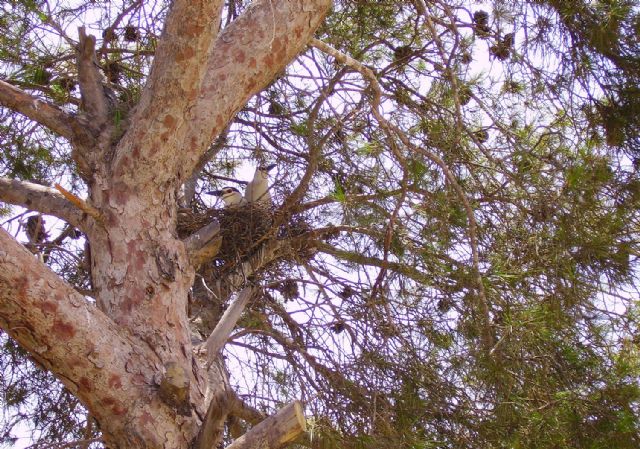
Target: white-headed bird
<point x="257" y="190"/>
<point x="230" y="195"/>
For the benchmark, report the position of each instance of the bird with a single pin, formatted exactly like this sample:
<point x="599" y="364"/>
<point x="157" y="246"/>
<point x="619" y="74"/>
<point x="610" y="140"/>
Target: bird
<point x="35" y="229"/>
<point x="231" y="196"/>
<point x="257" y="191"/>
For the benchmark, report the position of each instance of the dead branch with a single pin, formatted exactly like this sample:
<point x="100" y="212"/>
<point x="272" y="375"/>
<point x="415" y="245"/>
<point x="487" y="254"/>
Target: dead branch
<point x="223" y="329"/>
<point x="80" y="203"/>
<point x="94" y="100"/>
<point x="275" y="431"/>
<point x="42" y="199"/>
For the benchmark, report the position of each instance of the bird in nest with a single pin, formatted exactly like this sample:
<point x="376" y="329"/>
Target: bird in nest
<point x="245" y="219"/>
<point x="256" y="193"/>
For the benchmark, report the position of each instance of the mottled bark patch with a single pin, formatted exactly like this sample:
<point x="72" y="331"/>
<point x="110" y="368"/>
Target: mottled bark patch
<point x="185" y="54"/>
<point x="47" y="306"/>
<point x="86" y="384"/>
<point x="268" y="60"/>
<point x="63" y="330"/>
<point x="145" y="419"/>
<point x="169" y="121"/>
<point x="112" y="404"/>
<point x="115" y="381"/>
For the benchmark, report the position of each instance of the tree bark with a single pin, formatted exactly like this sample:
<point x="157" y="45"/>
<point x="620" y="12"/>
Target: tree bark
<point x="109" y="370"/>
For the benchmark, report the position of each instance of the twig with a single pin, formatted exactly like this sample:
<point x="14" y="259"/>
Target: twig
<point x="393" y="130"/>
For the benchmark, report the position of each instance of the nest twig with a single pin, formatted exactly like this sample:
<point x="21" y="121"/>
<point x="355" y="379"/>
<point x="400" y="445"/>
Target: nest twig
<point x="240" y="229"/>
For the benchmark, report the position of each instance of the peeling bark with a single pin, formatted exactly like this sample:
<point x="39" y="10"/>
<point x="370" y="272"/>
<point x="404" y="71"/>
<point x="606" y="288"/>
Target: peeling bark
<point x="107" y="369"/>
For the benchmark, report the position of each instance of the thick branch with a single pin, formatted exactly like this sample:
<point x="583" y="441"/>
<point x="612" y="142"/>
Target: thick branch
<point x="204" y="244"/>
<point x="244" y="411"/>
<point x="108" y="371"/>
<point x="245" y="58"/>
<point x="166" y="106"/>
<point x="223" y="329"/>
<point x="211" y="429"/>
<point x="42" y="199"/>
<point x="94" y="100"/>
<point x="58" y="121"/>
<point x="275" y="431"/>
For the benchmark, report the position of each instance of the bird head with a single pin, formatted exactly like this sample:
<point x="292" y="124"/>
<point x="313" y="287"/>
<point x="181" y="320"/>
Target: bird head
<point x="230" y="195"/>
<point x="266" y="168"/>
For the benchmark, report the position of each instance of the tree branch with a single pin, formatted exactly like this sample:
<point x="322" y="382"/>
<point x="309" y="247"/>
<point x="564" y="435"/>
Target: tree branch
<point x="234" y="279"/>
<point x="245" y="58"/>
<point x="107" y="370"/>
<point x="58" y="121"/>
<point x="94" y="100"/>
<point x="80" y="203"/>
<point x="392" y="130"/>
<point x="204" y="244"/>
<point x="211" y="429"/>
<point x="403" y="269"/>
<point x="242" y="410"/>
<point x="223" y="329"/>
<point x="42" y="199"/>
<point x="166" y="106"/>
<point x="275" y="431"/>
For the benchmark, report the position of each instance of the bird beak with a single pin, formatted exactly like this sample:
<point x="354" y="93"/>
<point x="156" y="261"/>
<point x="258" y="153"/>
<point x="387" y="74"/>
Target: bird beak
<point x="214" y="192"/>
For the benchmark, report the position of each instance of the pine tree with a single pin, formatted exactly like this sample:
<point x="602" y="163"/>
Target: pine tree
<point x="450" y="259"/>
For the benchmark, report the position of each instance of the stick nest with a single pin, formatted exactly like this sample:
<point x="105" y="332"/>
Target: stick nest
<point x="240" y="229"/>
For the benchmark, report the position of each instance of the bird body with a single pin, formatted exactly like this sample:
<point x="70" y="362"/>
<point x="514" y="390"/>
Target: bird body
<point x="257" y="191"/>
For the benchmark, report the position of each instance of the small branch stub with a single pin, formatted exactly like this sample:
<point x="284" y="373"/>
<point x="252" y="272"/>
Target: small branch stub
<point x="80" y="203"/>
<point x="174" y="388"/>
